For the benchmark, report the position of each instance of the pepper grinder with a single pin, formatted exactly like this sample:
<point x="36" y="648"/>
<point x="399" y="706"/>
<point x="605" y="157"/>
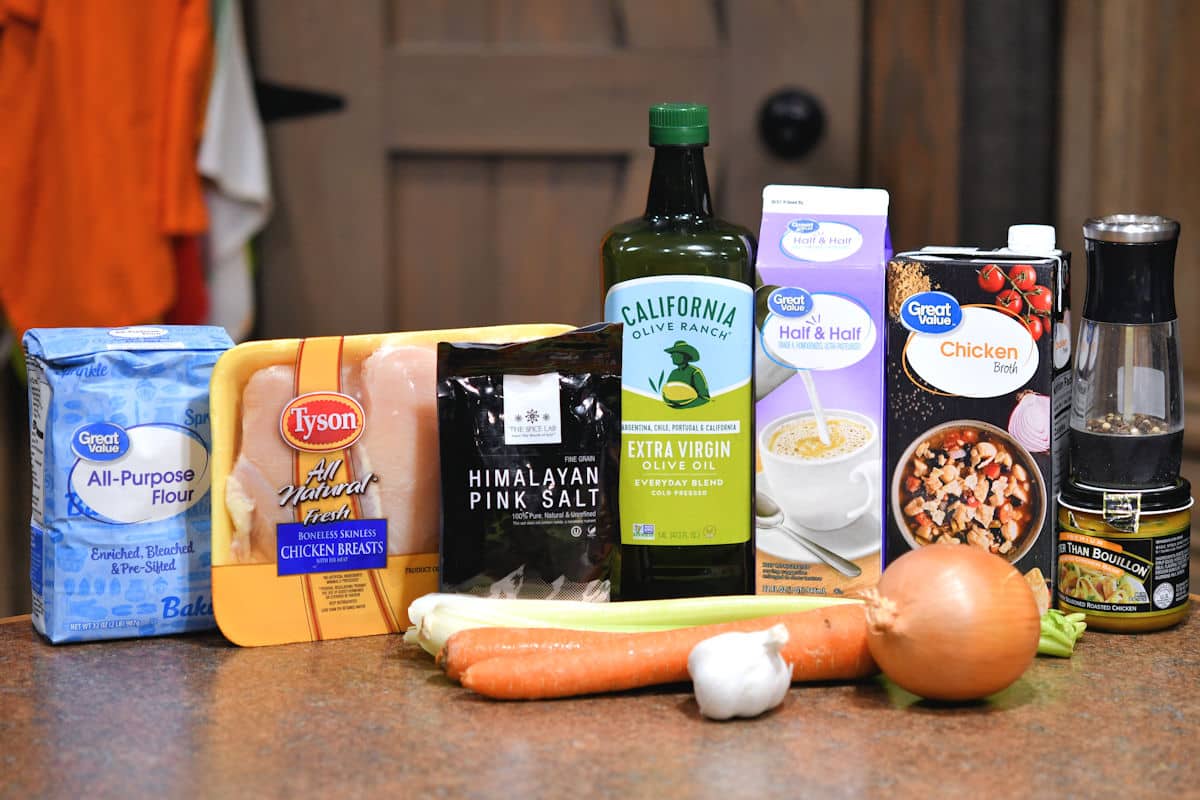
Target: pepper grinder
<point x="1127" y="397"/>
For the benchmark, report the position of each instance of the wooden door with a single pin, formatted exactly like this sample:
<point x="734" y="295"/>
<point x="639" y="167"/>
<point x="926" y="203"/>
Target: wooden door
<point x="1129" y="115"/>
<point x="486" y="145"/>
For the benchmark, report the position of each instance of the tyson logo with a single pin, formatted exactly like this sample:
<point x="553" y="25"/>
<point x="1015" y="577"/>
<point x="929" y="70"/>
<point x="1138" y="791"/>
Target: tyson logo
<point x="322" y="421"/>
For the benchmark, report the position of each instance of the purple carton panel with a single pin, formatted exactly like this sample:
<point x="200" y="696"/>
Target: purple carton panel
<point x="819" y="389"/>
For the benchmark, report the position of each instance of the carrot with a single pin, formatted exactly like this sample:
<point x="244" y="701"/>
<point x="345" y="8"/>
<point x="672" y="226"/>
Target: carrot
<point x="473" y="645"/>
<point x="823" y="645"/>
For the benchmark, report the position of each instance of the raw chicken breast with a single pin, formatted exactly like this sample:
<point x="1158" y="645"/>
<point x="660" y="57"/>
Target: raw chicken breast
<point x="400" y="445"/>
<point x="352" y="385"/>
<point x="263" y="466"/>
<point x="396" y="387"/>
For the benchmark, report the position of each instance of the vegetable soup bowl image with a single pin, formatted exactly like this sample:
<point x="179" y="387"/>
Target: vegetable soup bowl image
<point x="969" y="482"/>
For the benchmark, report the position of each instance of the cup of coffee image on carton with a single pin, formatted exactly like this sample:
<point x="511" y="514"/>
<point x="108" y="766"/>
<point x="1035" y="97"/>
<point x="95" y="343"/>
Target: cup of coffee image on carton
<point x="822" y="483"/>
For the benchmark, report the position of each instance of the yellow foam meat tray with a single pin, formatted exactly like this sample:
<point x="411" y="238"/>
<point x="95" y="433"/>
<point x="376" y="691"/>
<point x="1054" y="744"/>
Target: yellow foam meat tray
<point x="255" y="603"/>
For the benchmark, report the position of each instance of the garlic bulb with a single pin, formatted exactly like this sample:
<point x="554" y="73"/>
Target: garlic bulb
<point x="740" y="674"/>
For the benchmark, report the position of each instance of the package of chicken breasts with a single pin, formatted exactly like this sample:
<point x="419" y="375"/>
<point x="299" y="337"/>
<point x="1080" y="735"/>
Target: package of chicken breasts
<point x="326" y="496"/>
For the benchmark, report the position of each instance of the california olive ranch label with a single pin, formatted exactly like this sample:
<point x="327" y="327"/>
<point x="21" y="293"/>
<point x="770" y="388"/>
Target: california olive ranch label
<point x="686" y="409"/>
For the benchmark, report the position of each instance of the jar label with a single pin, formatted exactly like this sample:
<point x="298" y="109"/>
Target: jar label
<point x="686" y="446"/>
<point x="1122" y="577"/>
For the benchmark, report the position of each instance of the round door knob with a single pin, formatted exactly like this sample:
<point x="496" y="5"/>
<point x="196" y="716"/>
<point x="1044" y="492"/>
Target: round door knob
<point x="791" y="123"/>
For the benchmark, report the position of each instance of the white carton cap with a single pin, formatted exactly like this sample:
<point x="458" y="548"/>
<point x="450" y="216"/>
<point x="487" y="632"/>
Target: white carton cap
<point x="1031" y="238"/>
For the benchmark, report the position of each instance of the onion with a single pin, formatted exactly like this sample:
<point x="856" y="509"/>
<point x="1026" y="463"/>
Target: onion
<point x="1029" y="422"/>
<point x="952" y="622"/>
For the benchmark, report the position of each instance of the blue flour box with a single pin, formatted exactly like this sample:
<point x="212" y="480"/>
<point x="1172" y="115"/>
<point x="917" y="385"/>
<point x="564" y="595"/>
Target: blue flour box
<point x="119" y="448"/>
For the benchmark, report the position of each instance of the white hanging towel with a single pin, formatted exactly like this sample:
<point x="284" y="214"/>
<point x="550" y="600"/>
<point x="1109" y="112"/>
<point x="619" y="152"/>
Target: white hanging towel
<point x="233" y="158"/>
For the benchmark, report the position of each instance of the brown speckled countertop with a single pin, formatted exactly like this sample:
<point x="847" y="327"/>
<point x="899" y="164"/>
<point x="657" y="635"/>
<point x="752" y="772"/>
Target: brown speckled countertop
<point x="195" y="716"/>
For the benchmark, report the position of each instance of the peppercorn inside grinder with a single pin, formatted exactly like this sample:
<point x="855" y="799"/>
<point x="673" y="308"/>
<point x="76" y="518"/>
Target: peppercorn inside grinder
<point x="1127" y="397"/>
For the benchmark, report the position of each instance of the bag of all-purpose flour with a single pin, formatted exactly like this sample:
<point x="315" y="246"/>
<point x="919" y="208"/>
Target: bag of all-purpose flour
<point x="119" y="446"/>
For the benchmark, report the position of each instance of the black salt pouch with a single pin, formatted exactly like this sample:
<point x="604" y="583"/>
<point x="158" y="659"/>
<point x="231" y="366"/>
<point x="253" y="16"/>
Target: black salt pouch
<point x="530" y="437"/>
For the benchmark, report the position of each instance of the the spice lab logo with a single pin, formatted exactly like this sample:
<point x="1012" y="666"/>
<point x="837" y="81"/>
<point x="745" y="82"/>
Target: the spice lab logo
<point x="533" y="423"/>
<point x="533" y="416"/>
<point x="531" y="409"/>
<point x="321" y="422"/>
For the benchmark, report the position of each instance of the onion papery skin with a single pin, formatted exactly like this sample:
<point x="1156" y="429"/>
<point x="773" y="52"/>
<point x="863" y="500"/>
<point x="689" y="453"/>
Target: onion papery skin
<point x="952" y="622"/>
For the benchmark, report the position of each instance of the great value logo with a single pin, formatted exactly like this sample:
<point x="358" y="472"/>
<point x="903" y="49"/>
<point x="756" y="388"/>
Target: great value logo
<point x="931" y="312"/>
<point x="100" y="441"/>
<point x="790" y="302"/>
<point x="321" y="422"/>
<point x="803" y="226"/>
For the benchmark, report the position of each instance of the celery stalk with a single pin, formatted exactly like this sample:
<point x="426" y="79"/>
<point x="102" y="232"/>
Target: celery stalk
<point x="677" y="613"/>
<point x="436" y="617"/>
<point x="440" y="623"/>
<point x="1059" y="633"/>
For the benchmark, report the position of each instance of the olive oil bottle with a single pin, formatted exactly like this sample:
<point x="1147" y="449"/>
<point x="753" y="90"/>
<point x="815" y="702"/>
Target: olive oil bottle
<point x="681" y="281"/>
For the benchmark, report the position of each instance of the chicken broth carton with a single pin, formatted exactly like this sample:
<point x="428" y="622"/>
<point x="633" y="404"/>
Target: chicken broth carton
<point x="819" y="389"/>
<point x="978" y="380"/>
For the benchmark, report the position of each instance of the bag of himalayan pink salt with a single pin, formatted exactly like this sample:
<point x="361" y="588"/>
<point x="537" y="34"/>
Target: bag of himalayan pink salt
<point x="530" y="442"/>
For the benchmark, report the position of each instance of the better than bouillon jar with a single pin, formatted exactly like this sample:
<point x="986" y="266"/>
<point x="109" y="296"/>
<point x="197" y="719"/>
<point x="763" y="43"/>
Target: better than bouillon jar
<point x="1123" y="556"/>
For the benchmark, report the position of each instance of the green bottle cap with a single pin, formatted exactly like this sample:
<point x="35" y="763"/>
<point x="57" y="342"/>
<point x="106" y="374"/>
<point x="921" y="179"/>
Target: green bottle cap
<point x="678" y="123"/>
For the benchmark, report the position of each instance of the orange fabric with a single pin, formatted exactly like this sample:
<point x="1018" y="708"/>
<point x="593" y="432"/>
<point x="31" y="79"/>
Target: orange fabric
<point x="27" y="10"/>
<point x="103" y="103"/>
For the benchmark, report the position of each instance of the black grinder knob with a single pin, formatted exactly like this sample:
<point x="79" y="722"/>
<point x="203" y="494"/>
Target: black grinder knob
<point x="1131" y="269"/>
